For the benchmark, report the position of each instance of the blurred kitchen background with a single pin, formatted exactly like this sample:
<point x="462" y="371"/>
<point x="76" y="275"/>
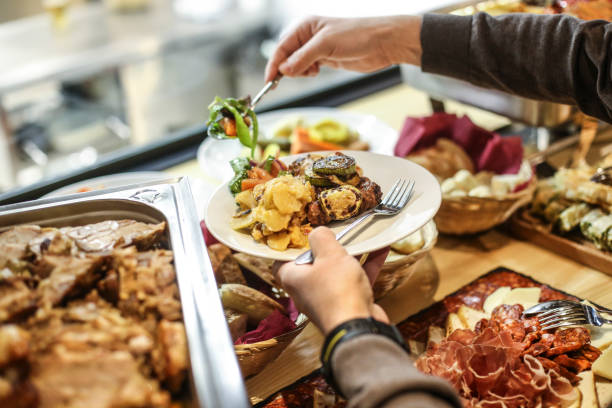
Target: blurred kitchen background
<point x="82" y="80"/>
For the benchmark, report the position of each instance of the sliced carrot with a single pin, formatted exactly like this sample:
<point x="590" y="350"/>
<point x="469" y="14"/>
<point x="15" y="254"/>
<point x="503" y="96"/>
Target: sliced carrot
<point x="259" y="173"/>
<point x="302" y="143"/>
<point x="248" y="184"/>
<point x="229" y="126"/>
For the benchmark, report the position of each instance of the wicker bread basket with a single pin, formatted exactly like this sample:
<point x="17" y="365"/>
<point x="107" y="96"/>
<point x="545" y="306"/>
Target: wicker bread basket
<point x="253" y="357"/>
<point x="469" y="215"/>
<point x="398" y="267"/>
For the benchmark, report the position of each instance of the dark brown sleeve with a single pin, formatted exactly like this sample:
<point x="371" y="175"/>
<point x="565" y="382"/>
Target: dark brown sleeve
<point x="373" y="371"/>
<point x="551" y="57"/>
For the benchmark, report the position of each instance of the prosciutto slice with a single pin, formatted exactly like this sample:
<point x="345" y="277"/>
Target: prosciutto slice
<point x="508" y="362"/>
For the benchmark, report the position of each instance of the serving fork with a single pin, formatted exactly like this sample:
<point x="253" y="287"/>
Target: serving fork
<point x="568" y="313"/>
<point x="392" y="203"/>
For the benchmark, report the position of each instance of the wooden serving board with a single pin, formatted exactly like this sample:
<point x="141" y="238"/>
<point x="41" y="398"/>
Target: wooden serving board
<point x="301" y="393"/>
<point x="526" y="227"/>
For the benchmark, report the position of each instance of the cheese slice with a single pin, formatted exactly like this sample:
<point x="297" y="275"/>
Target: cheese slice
<point x="435" y="334"/>
<point x="527" y="297"/>
<point x="495" y="299"/>
<point x="603" y="365"/>
<point x="587" y="390"/>
<point x="454" y="322"/>
<point x="601" y="337"/>
<point x="416" y="347"/>
<point x="470" y="316"/>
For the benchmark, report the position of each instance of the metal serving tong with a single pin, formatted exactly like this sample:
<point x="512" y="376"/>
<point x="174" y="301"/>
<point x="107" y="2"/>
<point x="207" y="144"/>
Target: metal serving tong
<point x="564" y="313"/>
<point x="267" y="87"/>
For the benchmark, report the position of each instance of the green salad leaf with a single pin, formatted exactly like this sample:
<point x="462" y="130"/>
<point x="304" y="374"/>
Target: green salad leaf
<point x="241" y="166"/>
<point x="237" y="109"/>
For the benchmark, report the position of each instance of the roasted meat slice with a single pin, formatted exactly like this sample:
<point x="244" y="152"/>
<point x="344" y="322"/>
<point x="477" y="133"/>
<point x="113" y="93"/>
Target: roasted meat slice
<point x="108" y="235"/>
<point x="52" y="241"/>
<point x="147" y="284"/>
<point x="170" y="357"/>
<point x="14" y="245"/>
<point x="94" y="378"/>
<point x="68" y="277"/>
<point x="17" y="300"/>
<point x="14" y="345"/>
<point x="371" y="193"/>
<point x="15" y="388"/>
<point x="87" y="324"/>
<point x="108" y="287"/>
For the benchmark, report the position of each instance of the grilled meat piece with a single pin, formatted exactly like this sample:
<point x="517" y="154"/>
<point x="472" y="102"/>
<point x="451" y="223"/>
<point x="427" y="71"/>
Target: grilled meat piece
<point x="17" y="300"/>
<point x="94" y="378"/>
<point x="315" y="214"/>
<point x="170" y="357"/>
<point x="371" y="193"/>
<point x="14" y="345"/>
<point x="147" y="284"/>
<point x="108" y="235"/>
<point x="15" y="388"/>
<point x="108" y="287"/>
<point x="14" y="245"/>
<point x="86" y="325"/>
<point x="69" y="276"/>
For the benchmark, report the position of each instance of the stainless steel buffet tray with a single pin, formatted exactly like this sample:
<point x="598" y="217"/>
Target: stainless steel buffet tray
<point x="528" y="111"/>
<point x="215" y="374"/>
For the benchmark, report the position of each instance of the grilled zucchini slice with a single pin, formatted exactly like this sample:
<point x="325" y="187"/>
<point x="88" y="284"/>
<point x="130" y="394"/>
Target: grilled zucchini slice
<point x="316" y="179"/>
<point x="336" y="164"/>
<point x="341" y="203"/>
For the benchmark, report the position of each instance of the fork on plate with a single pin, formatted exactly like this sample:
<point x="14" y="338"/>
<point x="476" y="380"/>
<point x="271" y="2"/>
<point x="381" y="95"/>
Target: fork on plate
<point x="569" y="313"/>
<point x="392" y="203"/>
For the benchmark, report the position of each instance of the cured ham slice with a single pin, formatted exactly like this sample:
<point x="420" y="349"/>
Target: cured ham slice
<point x="508" y="362"/>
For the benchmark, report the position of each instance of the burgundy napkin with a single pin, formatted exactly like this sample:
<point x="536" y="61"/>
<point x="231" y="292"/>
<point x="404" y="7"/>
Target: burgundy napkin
<point x="489" y="151"/>
<point x="274" y="325"/>
<point x="209" y="239"/>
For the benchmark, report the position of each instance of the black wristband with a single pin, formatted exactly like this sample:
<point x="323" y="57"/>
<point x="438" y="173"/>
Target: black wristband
<point x="349" y="330"/>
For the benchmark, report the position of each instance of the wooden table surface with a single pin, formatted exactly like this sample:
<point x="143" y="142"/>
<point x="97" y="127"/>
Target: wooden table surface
<point x="453" y="262"/>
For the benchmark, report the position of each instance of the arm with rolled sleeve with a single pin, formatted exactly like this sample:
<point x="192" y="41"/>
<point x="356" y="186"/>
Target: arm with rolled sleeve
<point x="557" y="58"/>
<point x="373" y="371"/>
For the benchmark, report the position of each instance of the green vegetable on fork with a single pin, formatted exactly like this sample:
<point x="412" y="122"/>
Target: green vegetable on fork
<point x="230" y="118"/>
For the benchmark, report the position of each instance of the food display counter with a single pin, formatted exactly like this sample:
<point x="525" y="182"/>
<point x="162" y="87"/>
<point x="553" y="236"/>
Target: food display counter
<point x="453" y="263"/>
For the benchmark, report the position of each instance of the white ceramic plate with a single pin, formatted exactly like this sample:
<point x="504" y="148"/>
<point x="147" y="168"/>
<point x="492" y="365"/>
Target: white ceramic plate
<point x="214" y="155"/>
<point x="200" y="189"/>
<point x="380" y="231"/>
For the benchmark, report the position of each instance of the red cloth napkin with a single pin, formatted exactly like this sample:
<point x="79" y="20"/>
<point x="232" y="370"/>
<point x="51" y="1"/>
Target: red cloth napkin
<point x="274" y="325"/>
<point x="209" y="239"/>
<point x="488" y="150"/>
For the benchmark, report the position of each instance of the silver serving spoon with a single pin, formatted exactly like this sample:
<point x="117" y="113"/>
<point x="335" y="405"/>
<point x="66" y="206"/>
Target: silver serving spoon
<point x="267" y="87"/>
